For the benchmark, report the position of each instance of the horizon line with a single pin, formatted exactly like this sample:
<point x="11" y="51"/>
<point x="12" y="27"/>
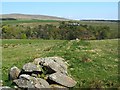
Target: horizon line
<point x="58" y="16"/>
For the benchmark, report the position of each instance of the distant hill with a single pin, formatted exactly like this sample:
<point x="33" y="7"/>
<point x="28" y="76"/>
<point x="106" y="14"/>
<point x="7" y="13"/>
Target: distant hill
<point x="30" y="17"/>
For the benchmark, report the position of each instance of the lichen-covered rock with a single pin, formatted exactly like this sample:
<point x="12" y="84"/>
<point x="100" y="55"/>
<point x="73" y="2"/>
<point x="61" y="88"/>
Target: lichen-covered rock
<point x="37" y="82"/>
<point x="14" y="73"/>
<point x="62" y="79"/>
<point x="24" y="83"/>
<point x="60" y="61"/>
<point x="41" y="83"/>
<point x="58" y="86"/>
<point x="25" y="76"/>
<point x="27" y="81"/>
<point x="30" y="67"/>
<point x="53" y="64"/>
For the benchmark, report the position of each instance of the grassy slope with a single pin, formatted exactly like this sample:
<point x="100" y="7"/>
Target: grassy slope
<point x="113" y="25"/>
<point x="26" y="21"/>
<point x="18" y="52"/>
<point x="100" y="68"/>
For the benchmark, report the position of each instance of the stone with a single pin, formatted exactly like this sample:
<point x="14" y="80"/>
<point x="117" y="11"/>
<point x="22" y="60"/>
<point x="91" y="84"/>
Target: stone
<point x="59" y="60"/>
<point x="62" y="79"/>
<point x="25" y="76"/>
<point x="31" y="82"/>
<point x="37" y="61"/>
<point x="14" y="73"/>
<point x="41" y="83"/>
<point x="38" y="82"/>
<point x="53" y="64"/>
<point x="57" y="86"/>
<point x="30" y="67"/>
<point x="23" y="83"/>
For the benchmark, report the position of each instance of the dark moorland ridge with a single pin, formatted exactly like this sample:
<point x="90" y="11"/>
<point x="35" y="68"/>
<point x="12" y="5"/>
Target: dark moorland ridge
<point x="30" y="17"/>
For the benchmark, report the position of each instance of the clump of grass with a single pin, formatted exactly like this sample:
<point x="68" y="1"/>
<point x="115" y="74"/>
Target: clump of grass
<point x="86" y="58"/>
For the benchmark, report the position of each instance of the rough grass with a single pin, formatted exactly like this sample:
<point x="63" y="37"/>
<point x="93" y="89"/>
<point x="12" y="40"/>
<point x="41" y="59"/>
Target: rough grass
<point x="30" y="22"/>
<point x="113" y="25"/>
<point x="27" y="21"/>
<point x="19" y="52"/>
<point x="91" y="63"/>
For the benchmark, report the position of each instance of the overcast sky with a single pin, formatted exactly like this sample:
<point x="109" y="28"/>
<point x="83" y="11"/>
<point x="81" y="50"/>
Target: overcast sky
<point x="72" y="10"/>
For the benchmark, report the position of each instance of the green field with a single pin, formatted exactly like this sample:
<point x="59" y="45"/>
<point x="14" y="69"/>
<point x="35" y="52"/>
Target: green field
<point x="92" y="63"/>
<point x="27" y="21"/>
<point x="113" y="25"/>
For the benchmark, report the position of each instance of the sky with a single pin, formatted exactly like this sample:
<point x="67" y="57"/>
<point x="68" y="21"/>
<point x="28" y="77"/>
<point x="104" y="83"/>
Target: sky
<point x="71" y="10"/>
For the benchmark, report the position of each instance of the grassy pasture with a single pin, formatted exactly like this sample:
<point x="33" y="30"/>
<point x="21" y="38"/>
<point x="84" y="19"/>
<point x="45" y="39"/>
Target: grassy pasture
<point x="29" y="21"/>
<point x="18" y="52"/>
<point x="113" y="25"/>
<point x="91" y="63"/>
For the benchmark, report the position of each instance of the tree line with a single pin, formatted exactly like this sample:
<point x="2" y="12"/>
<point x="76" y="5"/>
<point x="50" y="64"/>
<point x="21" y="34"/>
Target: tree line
<point x="63" y="31"/>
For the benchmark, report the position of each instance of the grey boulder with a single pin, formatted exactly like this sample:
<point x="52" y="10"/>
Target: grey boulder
<point x="14" y="73"/>
<point x="31" y="82"/>
<point x="24" y="83"/>
<point x="53" y="64"/>
<point x="30" y="67"/>
<point x="25" y="76"/>
<point x="41" y="83"/>
<point x="62" y="79"/>
<point x="60" y="61"/>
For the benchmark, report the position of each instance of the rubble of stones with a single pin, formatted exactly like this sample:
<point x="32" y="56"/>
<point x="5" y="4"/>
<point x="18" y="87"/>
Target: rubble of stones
<point x="49" y="72"/>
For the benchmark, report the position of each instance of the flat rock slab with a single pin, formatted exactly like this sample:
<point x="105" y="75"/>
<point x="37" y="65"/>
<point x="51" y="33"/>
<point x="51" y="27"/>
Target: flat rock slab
<point x="62" y="79"/>
<point x="41" y="83"/>
<point x="30" y="67"/>
<point x="53" y="64"/>
<point x="60" y="61"/>
<point x="31" y="82"/>
<point x="58" y="86"/>
<point x="24" y="83"/>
